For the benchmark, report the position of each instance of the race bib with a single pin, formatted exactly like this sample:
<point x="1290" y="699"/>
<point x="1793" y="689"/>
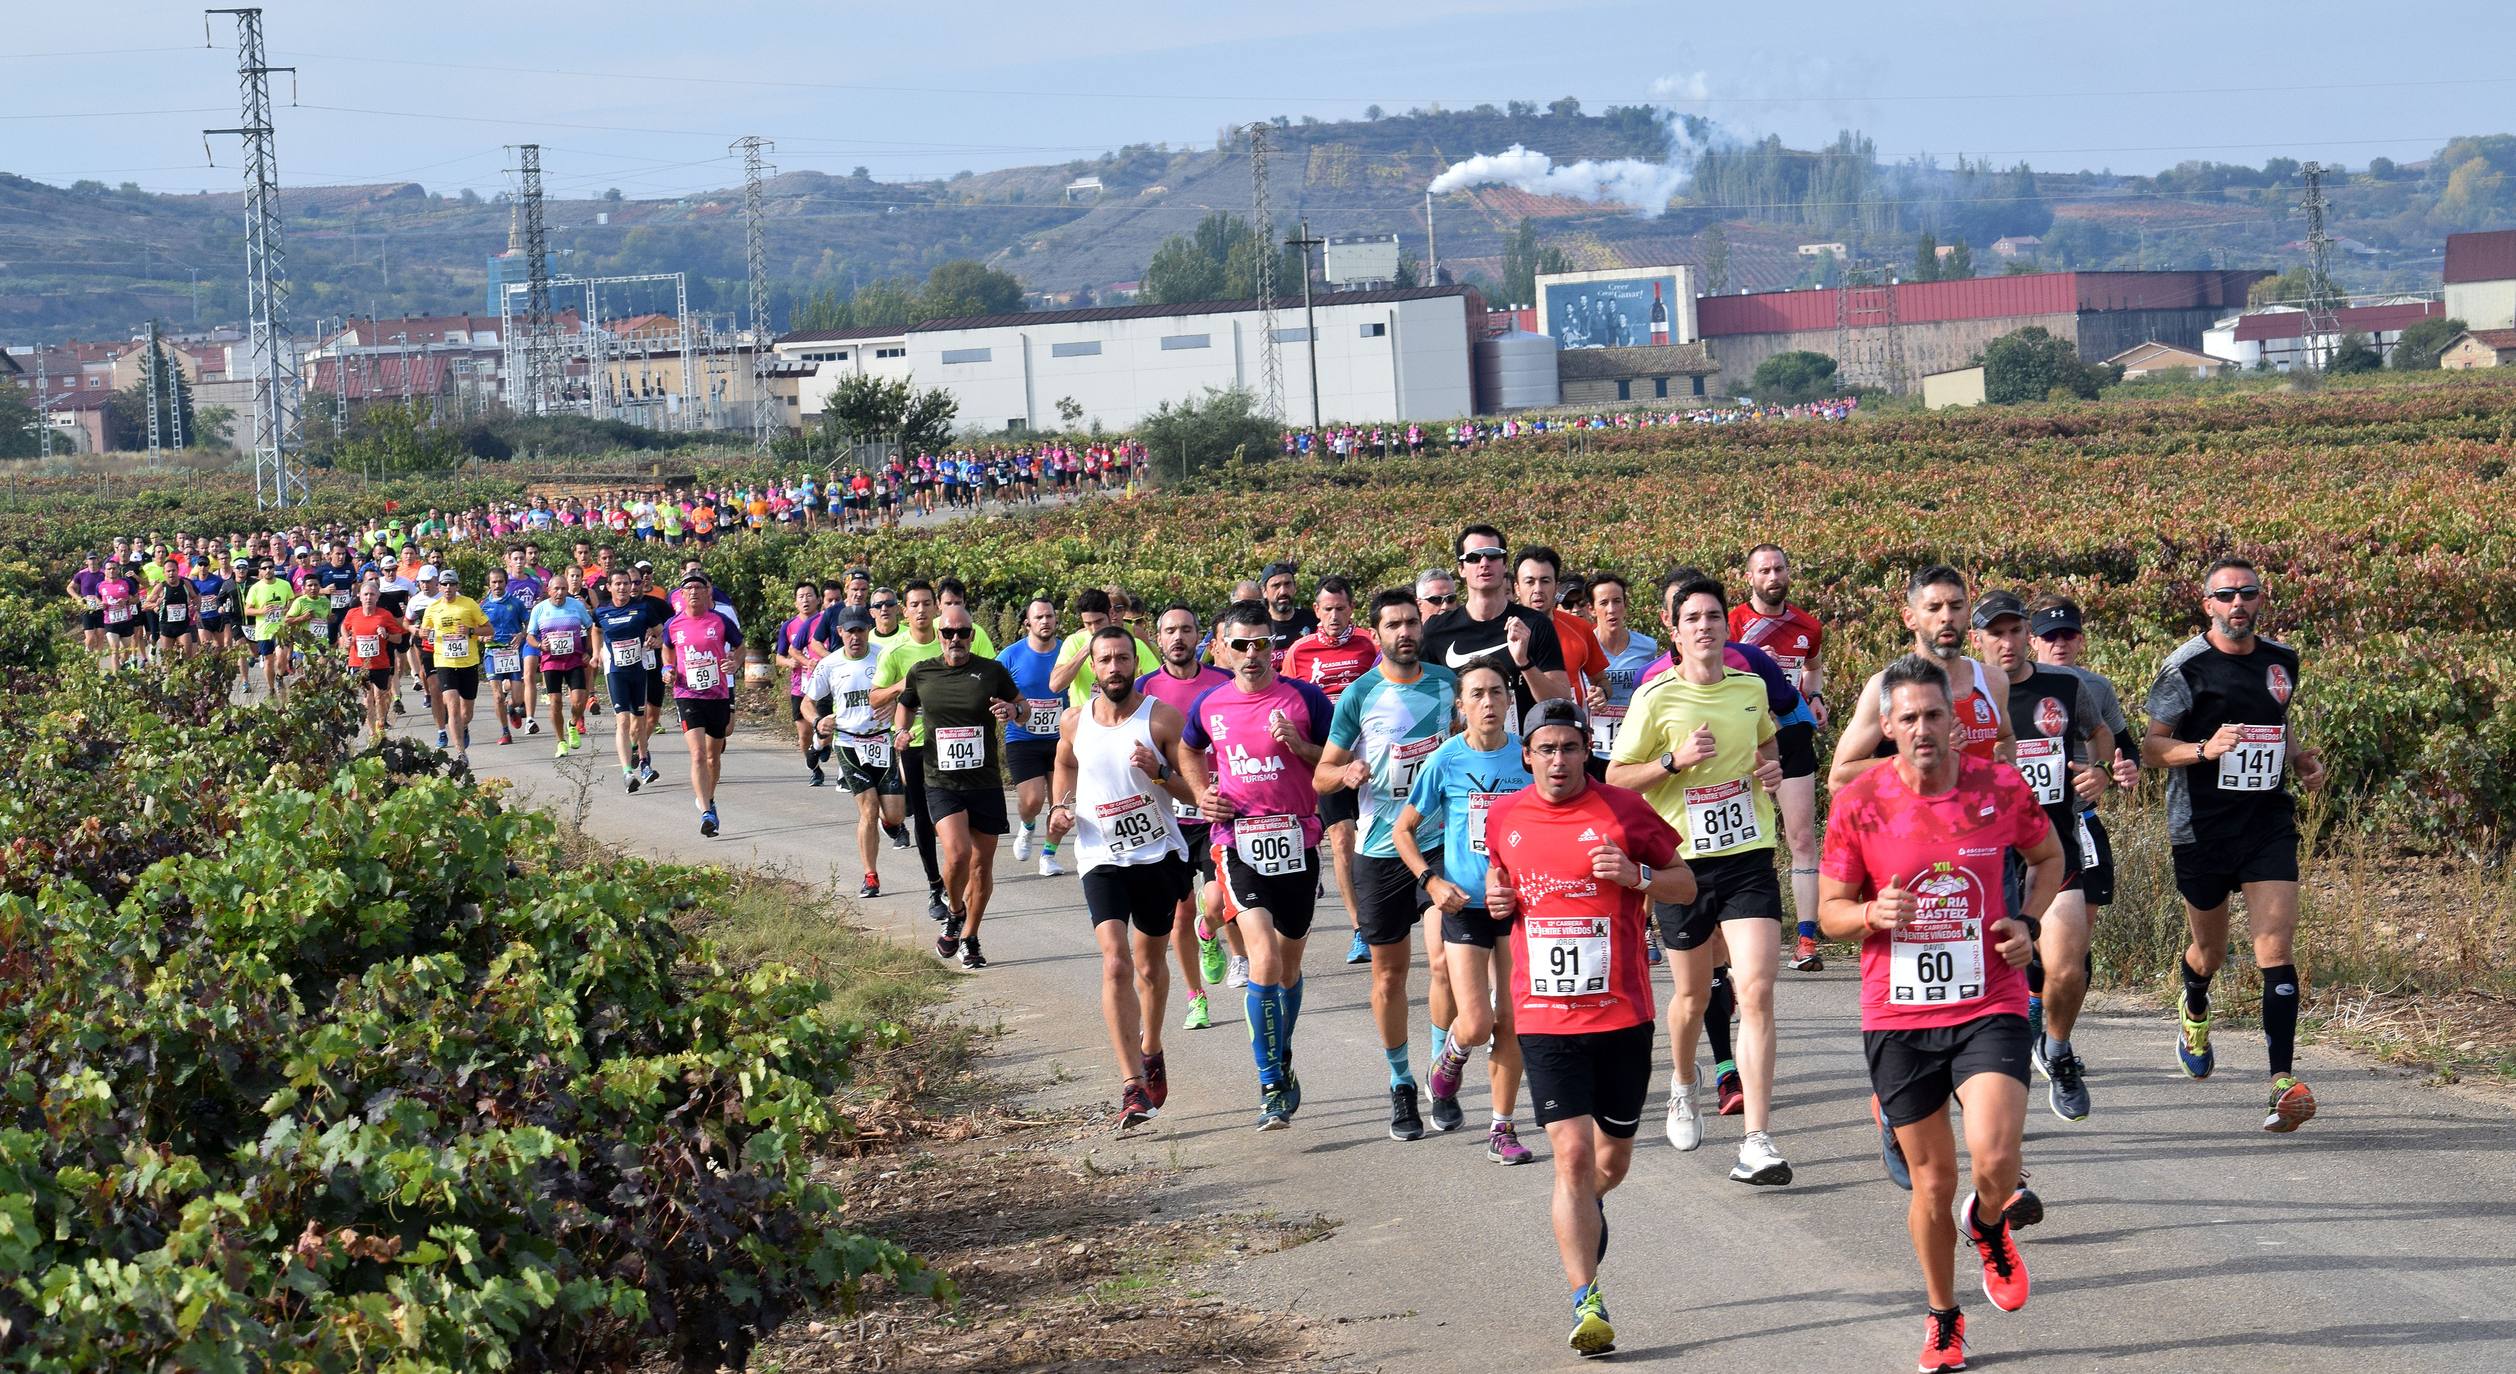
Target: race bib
<point x="1406" y="759"/>
<point x="2258" y="761"/>
<point x="1722" y="816"/>
<point x="2045" y="764"/>
<point x="1480" y="805"/>
<point x="654" y="659"/>
<point x="2087" y="843"/>
<point x="505" y="661"/>
<point x="1604" y="723"/>
<point x="340" y="600"/>
<point x="1569" y="956"/>
<point x="875" y="751"/>
<point x="1043" y="714"/>
<point x="559" y="643"/>
<point x="960" y="748"/>
<point x="454" y="644"/>
<point x="367" y="646"/>
<point x="116" y="614"/>
<point x="1128" y="824"/>
<point x="701" y="674"/>
<point x="1938" y="957"/>
<point x="177" y="612"/>
<point x="628" y="655"/>
<point x="1271" y="846"/>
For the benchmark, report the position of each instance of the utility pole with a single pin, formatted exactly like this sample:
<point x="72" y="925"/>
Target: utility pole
<point x="1262" y="217"/>
<point x="2323" y="320"/>
<point x="43" y="405"/>
<point x="1432" y="247"/>
<point x="149" y="374"/>
<point x="276" y="386"/>
<point x="1310" y="326"/>
<point x="756" y="256"/>
<point x="540" y="347"/>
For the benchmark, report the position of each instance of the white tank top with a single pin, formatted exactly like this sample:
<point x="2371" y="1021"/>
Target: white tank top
<point x="1121" y="816"/>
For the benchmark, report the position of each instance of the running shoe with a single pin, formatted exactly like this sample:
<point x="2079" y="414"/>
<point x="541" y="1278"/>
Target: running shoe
<point x="1502" y="1145"/>
<point x="872" y="887"/>
<point x="1760" y="1163"/>
<point x="2192" y="1048"/>
<point x="1157" y="1079"/>
<point x="1447" y="1070"/>
<point x="948" y="942"/>
<point x="936" y="911"/>
<point x="2025" y="1209"/>
<point x="1292" y="1088"/>
<point x="506" y="737"/>
<point x="1273" y="1115"/>
<point x="629" y="776"/>
<point x="2292" y="1105"/>
<point x="1210" y="957"/>
<point x="561" y="751"/>
<point x="1805" y="957"/>
<point x="1238" y="974"/>
<point x="1685" y="1121"/>
<point x="899" y="835"/>
<point x="970" y="957"/>
<point x="1022" y="845"/>
<point x="1943" y="1342"/>
<point x="442" y="741"/>
<point x="817" y="779"/>
<point x="1729" y="1093"/>
<point x="2004" y="1269"/>
<point x="1890" y="1153"/>
<point x="1405" y="1123"/>
<point x="1591" y="1334"/>
<point x="1359" y="951"/>
<point x="1135" y="1108"/>
<point x="532" y="725"/>
<point x="2068" y="1094"/>
<point x="1446" y="1114"/>
<point x="1049" y="867"/>
<point x="2035" y="1034"/>
<point x="576" y="738"/>
<point x="707" y="822"/>
<point x="647" y="773"/>
<point x="1198" y="1018"/>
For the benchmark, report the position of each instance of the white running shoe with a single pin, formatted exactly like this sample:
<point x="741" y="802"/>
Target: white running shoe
<point x="1238" y="976"/>
<point x="1049" y="867"/>
<point x="1022" y="845"/>
<point x="1686" y="1119"/>
<point x="1760" y="1163"/>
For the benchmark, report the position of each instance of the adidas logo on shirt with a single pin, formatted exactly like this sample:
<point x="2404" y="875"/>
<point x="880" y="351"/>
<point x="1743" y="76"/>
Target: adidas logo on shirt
<point x="1589" y="833"/>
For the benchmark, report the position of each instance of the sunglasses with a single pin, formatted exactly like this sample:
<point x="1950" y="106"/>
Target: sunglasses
<point x="1133" y="619"/>
<point x="1439" y="600"/>
<point x="881" y="605"/>
<point x="1481" y="556"/>
<point x="964" y="632"/>
<point x="1249" y="646"/>
<point x="2227" y="596"/>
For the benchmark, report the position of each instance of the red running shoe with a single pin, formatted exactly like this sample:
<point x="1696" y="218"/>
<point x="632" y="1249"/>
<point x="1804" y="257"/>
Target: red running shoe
<point x="1943" y="1341"/>
<point x="1134" y="1107"/>
<point x="1157" y="1079"/>
<point x="2004" y="1269"/>
<point x="1733" y="1098"/>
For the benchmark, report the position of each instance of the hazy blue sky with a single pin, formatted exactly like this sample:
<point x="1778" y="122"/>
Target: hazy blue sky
<point x="645" y="96"/>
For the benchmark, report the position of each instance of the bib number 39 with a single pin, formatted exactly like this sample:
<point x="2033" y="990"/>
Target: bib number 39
<point x="1271" y="846"/>
<point x="2046" y="771"/>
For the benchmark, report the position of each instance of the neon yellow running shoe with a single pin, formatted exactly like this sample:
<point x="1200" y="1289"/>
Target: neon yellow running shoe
<point x="2193" y="1050"/>
<point x="1198" y="1017"/>
<point x="1591" y="1333"/>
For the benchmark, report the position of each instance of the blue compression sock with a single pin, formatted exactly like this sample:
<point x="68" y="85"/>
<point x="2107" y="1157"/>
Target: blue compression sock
<point x="1441" y="1040"/>
<point x="1258" y="1006"/>
<point x="1400" y="1076"/>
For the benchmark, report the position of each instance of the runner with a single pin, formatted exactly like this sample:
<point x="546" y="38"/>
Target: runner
<point x="1768" y="621"/>
<point x="118" y="599"/>
<point x="2061" y="730"/>
<point x="1537" y="577"/>
<point x="1575" y="868"/>
<point x="82" y="589"/>
<point x="1329" y="658"/>
<point x="266" y="615"/>
<point x="630" y="627"/>
<point x="561" y="631"/>
<point x="795" y="651"/>
<point x="2219" y="717"/>
<point x="838" y="705"/>
<point x="455" y="626"/>
<point x="1031" y="737"/>
<point x="1120" y="766"/>
<point x="1204" y="956"/>
<point x="530" y="588"/>
<point x="1453" y="791"/>
<point x="702" y="653"/>
<point x="2053" y="624"/>
<point x="962" y="699"/>
<point x="1286" y="619"/>
<point x="1935" y="606"/>
<point x="172" y="613"/>
<point x="1484" y="622"/>
<point x="1915" y="868"/>
<point x="1699" y="745"/>
<point x="1265" y="733"/>
<point x="915" y="643"/>
<point x="368" y="636"/>
<point x="503" y="649"/>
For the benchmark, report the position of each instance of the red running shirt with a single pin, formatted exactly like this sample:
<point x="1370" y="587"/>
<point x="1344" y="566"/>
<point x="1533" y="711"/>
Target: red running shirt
<point x="1792" y="638"/>
<point x="1581" y="965"/>
<point x="1950" y="851"/>
<point x="1330" y="667"/>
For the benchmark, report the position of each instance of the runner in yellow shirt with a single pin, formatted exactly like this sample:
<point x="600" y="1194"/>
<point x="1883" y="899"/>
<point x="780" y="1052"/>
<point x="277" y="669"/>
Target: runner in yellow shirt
<point x="457" y="626"/>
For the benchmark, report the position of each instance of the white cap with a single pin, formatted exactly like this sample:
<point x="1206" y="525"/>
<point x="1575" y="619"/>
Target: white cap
<point x="427" y="574"/>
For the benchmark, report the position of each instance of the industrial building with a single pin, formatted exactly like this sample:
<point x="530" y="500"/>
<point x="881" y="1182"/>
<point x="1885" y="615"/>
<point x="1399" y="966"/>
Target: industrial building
<point x="2481" y="279"/>
<point x="1380" y="356"/>
<point x="2277" y="337"/>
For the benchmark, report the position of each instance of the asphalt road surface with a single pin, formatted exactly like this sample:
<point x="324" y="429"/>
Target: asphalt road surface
<point x="2381" y="1236"/>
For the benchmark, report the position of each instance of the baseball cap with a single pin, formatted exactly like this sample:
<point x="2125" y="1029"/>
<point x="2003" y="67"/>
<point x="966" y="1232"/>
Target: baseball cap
<point x="695" y="578"/>
<point x="1995" y="605"/>
<point x="1284" y="568"/>
<point x="428" y="574"/>
<point x="855" y="618"/>
<point x="646" y="565"/>
<point x="2061" y="615"/>
<point x="1553" y="711"/>
<point x="859" y="575"/>
<point x="449" y="576"/>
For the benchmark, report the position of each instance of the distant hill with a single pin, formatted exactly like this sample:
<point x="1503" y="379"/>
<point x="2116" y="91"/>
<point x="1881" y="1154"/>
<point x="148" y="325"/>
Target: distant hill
<point x="95" y="261"/>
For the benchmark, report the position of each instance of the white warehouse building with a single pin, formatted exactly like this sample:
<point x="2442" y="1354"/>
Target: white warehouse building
<point x="1388" y="355"/>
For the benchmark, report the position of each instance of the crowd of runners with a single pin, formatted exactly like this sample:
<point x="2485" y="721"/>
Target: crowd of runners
<point x="1385" y="441"/>
<point x="1543" y="790"/>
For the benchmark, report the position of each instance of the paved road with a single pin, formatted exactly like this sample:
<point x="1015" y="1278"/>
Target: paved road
<point x="2381" y="1236"/>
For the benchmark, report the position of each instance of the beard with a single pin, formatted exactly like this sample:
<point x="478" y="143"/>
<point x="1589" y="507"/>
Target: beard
<point x="1116" y="692"/>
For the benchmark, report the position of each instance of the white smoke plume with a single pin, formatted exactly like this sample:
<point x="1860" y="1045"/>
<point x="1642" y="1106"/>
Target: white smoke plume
<point x="1644" y="187"/>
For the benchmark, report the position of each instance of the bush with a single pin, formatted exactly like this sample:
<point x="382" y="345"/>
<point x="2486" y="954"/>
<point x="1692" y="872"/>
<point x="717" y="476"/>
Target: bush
<point x="1792" y="377"/>
<point x="1204" y="433"/>
<point x="324" y="1065"/>
<point x="2032" y="364"/>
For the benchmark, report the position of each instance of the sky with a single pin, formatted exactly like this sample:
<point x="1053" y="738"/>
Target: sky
<point x="646" y="97"/>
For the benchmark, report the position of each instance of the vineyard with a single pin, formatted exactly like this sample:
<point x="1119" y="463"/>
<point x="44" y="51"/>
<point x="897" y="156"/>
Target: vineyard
<point x="319" y="1063"/>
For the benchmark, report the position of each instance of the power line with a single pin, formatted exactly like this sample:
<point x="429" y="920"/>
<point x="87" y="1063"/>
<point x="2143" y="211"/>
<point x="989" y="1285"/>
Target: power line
<point x="277" y="398"/>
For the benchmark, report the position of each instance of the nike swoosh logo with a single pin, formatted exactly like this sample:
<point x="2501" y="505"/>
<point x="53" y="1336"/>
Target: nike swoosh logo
<point x="1461" y="660"/>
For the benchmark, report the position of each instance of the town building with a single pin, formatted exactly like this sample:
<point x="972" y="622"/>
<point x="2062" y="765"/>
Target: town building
<point x="1958" y="386"/>
<point x="2481" y="279"/>
<point x="2276" y="337"/>
<point x="2479" y="348"/>
<point x="2154" y="359"/>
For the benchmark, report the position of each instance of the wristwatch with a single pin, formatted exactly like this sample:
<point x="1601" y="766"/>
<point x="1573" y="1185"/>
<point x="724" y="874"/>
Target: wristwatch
<point x="1668" y="762"/>
<point x="1645" y="884"/>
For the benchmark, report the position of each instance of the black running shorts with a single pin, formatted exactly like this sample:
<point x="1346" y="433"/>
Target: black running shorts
<point x="1798" y="745"/>
<point x="2097" y="879"/>
<point x="984" y="807"/>
<point x="1145" y="896"/>
<point x="1470" y="925"/>
<point x="628" y="690"/>
<point x="1026" y="759"/>
<point x="1289" y="899"/>
<point x="1387" y="900"/>
<point x="858" y="776"/>
<point x="1728" y="887"/>
<point x="2207" y="873"/>
<point x="1344" y="805"/>
<point x="1916" y="1072"/>
<point x="712" y="714"/>
<point x="463" y="682"/>
<point x="1603" y="1075"/>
